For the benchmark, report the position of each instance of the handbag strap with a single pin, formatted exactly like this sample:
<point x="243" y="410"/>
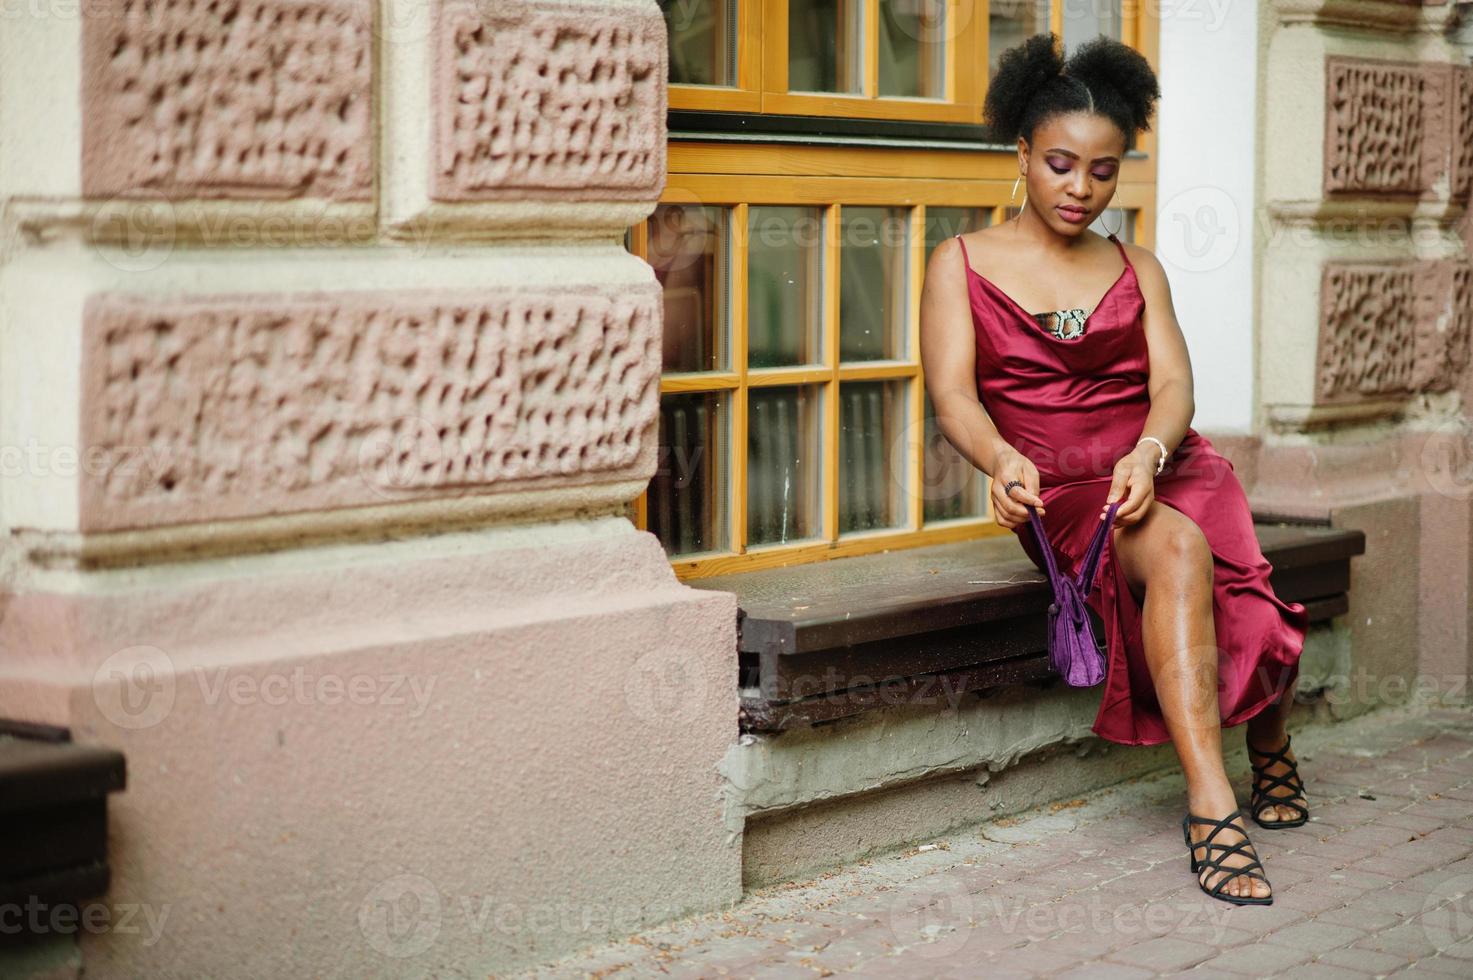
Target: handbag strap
<point x="1092" y="555"/>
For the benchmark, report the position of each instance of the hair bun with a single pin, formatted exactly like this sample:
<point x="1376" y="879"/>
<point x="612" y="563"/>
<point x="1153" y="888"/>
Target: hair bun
<point x="1022" y="71"/>
<point x="1103" y="76"/>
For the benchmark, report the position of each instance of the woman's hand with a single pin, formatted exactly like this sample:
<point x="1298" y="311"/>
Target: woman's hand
<point x="1009" y="508"/>
<point x="1135" y="481"/>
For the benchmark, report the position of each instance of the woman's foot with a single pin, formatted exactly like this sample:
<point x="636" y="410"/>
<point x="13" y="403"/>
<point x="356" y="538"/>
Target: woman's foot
<point x="1278" y="792"/>
<point x="1216" y="864"/>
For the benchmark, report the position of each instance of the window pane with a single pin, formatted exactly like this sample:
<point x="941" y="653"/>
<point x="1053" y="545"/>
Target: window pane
<point x="688" y="494"/>
<point x="872" y="283"/>
<point x="1010" y="23"/>
<point x="783" y="464"/>
<point x="702" y="41"/>
<point x="872" y="461"/>
<point x="943" y="223"/>
<point x="954" y="487"/>
<point x="1085" y="20"/>
<point x="688" y="251"/>
<point x="913" y="48"/>
<point x="784" y="286"/>
<point x="823" y="46"/>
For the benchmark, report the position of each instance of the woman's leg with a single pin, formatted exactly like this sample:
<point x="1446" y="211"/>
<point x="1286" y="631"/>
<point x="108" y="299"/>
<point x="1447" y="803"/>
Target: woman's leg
<point x="1268" y="730"/>
<point x="1168" y="564"/>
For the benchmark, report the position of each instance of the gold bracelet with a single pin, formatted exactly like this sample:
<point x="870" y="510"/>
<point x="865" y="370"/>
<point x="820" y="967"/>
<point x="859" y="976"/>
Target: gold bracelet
<point x="1160" y="462"/>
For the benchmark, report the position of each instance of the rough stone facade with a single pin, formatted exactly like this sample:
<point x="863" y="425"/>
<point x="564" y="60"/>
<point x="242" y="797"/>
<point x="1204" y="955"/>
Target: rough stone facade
<point x="327" y="383"/>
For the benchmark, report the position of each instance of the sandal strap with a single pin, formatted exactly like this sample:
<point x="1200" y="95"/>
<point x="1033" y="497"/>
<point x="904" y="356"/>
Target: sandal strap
<point x="1277" y="755"/>
<point x="1217" y="852"/>
<point x="1264" y="781"/>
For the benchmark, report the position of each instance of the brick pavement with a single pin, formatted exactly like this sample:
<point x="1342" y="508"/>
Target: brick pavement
<point x="1380" y="882"/>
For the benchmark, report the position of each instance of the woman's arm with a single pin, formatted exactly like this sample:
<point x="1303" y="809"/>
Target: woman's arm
<point x="1173" y="402"/>
<point x="949" y="361"/>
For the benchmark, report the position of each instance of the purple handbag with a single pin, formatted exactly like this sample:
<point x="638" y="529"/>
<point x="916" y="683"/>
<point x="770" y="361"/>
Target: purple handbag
<point x="1073" y="649"/>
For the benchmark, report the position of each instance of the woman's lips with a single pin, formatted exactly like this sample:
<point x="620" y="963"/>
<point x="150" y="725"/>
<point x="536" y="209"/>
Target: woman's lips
<point x="1076" y="215"/>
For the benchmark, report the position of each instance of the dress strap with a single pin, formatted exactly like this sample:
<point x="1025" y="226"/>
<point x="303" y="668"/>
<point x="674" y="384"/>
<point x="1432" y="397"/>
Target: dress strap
<point x="965" y="260"/>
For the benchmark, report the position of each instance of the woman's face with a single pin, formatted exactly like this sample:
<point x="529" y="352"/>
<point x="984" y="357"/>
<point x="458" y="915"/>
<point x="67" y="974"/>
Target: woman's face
<point x="1072" y="168"/>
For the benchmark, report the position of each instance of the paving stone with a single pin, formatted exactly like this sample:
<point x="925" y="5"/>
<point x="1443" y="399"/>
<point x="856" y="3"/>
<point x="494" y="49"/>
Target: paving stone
<point x="1315" y="936"/>
<point x="1314" y="896"/>
<point x="1368" y="961"/>
<point x="1106" y="971"/>
<point x="1408" y="939"/>
<point x="1367" y="888"/>
<point x="1323" y="971"/>
<point x="1366" y="916"/>
<point x="1259" y="960"/>
<point x="1164" y="954"/>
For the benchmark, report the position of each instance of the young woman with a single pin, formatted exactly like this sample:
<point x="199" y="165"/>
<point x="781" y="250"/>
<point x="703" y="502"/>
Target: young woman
<point x="1070" y="405"/>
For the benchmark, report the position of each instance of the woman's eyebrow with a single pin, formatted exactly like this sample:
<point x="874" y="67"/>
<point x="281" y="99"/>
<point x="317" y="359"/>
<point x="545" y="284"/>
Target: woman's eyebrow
<point x="1071" y="153"/>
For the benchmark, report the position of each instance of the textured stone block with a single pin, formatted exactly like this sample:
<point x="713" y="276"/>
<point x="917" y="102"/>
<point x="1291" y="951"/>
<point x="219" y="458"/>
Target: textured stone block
<point x="230" y="406"/>
<point x="1444" y="323"/>
<point x="1374" y="125"/>
<point x="553" y="100"/>
<point x="227" y="98"/>
<point x="1462" y="138"/>
<point x="1367" y="330"/>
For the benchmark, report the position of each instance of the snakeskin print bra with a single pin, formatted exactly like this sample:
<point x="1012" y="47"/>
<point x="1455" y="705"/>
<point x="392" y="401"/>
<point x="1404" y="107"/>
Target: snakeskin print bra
<point x="1064" y="324"/>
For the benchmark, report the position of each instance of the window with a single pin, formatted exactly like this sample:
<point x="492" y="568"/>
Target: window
<point x="794" y="421"/>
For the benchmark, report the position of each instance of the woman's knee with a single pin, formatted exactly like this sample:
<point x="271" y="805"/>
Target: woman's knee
<point x="1186" y="555"/>
<point x="1173" y="549"/>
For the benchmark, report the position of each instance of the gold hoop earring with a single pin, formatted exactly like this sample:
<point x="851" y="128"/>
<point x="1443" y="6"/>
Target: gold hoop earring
<point x="1122" y="227"/>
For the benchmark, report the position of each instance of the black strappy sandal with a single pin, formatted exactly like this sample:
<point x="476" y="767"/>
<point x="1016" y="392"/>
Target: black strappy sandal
<point x="1253" y="869"/>
<point x="1261" y="797"/>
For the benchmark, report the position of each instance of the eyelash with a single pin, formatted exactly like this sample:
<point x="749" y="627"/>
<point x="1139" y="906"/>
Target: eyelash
<point x="1066" y="170"/>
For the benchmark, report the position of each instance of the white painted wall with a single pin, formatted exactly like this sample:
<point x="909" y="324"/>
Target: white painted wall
<point x="1204" y="233"/>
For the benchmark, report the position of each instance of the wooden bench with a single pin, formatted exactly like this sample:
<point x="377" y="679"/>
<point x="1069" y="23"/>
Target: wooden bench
<point x="832" y="639"/>
<point x="53" y="817"/>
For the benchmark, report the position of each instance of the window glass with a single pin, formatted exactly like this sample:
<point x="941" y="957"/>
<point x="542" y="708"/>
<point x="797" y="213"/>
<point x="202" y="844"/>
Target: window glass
<point x="784" y="464"/>
<point x="1088" y="19"/>
<point x="872" y="455"/>
<point x="687" y="248"/>
<point x="912" y="38"/>
<point x="784" y="286"/>
<point x="688" y="495"/>
<point x="872" y="286"/>
<point x="1010" y="23"/>
<point x="953" y="486"/>
<point x="943" y="223"/>
<point x="702" y="41"/>
<point x="824" y="49"/>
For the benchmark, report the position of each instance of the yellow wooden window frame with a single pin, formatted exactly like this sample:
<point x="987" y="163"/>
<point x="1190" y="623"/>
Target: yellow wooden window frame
<point x="830" y="178"/>
<point x="762" y="66"/>
<point x="737" y="175"/>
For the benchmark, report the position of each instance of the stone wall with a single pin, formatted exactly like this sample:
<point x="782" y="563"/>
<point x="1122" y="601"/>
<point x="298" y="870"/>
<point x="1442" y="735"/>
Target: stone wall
<point x="325" y="381"/>
<point x="1365" y="314"/>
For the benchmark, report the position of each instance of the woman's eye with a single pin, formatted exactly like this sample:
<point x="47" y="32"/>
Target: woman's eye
<point x="1058" y="170"/>
<point x="1104" y="176"/>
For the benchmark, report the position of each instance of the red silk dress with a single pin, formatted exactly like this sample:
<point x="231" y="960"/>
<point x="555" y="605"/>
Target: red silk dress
<point x="1074" y="408"/>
